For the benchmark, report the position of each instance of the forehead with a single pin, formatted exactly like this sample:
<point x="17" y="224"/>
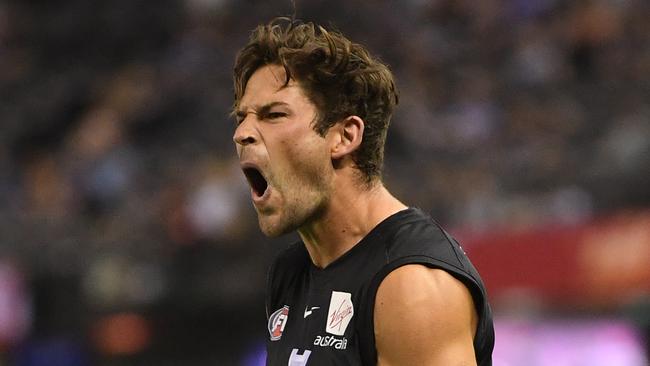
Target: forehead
<point x="267" y="84"/>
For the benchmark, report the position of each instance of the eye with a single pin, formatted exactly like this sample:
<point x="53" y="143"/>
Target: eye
<point x="275" y="115"/>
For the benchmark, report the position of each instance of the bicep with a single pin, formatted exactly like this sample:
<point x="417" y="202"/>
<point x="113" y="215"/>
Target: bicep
<point x="424" y="316"/>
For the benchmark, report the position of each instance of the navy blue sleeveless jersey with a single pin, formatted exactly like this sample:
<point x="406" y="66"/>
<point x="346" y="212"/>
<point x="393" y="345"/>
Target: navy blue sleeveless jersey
<point x="325" y="316"/>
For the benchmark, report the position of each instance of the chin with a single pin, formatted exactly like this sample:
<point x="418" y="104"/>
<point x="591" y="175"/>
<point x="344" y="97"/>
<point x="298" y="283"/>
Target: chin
<point x="274" y="229"/>
<point x="270" y="232"/>
<point x="283" y="222"/>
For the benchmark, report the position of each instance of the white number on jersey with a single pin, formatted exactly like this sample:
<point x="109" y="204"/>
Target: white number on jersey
<point x="299" y="360"/>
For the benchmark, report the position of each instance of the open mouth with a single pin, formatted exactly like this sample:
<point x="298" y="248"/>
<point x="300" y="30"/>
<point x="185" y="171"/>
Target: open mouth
<point x="256" y="181"/>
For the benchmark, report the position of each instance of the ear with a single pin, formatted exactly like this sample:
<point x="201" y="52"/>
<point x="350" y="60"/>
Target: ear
<point x="348" y="136"/>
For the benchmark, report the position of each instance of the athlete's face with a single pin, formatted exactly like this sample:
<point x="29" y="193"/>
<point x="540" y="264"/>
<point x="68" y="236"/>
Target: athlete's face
<point x="287" y="164"/>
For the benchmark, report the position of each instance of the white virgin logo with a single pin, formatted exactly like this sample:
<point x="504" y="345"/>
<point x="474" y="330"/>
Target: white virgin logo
<point x="340" y="313"/>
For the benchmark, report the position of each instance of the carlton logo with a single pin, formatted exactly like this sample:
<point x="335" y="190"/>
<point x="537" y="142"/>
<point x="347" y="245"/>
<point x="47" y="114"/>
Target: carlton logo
<point x="277" y="322"/>
<point x="340" y="313"/>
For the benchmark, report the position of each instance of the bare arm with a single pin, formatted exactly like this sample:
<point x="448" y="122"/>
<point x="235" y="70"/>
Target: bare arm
<point x="424" y="316"/>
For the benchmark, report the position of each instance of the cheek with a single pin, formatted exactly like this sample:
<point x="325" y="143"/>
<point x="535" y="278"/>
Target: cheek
<point x="313" y="168"/>
<point x="301" y="147"/>
<point x="298" y="154"/>
<point x="301" y="166"/>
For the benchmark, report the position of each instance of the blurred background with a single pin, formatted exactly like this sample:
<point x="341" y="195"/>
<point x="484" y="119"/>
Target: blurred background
<point x="126" y="232"/>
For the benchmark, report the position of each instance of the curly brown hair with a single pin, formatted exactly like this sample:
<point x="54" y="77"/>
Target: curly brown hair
<point x="340" y="77"/>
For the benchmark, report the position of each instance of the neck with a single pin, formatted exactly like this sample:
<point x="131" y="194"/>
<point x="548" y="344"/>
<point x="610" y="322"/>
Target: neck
<point x="349" y="216"/>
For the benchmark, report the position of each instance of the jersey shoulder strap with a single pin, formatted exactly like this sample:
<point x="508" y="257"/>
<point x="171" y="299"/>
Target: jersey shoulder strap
<point x="418" y="239"/>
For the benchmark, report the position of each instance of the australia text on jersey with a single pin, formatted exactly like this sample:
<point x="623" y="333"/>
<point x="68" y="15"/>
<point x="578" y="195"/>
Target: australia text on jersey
<point x="340" y="313"/>
<point x="331" y="341"/>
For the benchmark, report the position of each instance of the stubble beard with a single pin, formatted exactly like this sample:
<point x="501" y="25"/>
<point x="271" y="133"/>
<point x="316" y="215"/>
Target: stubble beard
<point x="304" y="201"/>
<point x="291" y="218"/>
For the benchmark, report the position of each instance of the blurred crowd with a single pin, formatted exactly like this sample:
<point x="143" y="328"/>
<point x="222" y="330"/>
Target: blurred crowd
<point x="122" y="205"/>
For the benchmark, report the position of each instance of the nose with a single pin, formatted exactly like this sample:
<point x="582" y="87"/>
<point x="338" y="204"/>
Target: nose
<point x="244" y="133"/>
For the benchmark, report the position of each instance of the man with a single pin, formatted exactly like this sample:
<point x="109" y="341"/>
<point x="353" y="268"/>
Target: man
<point x="372" y="282"/>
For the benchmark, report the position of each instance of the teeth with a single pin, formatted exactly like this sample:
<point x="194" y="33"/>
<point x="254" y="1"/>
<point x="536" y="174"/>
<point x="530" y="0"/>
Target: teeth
<point x="256" y="181"/>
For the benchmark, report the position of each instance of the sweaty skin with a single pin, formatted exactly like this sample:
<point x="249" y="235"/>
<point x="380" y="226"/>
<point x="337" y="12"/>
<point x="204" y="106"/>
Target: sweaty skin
<point x="424" y="316"/>
<point x="314" y="188"/>
<point x="274" y="135"/>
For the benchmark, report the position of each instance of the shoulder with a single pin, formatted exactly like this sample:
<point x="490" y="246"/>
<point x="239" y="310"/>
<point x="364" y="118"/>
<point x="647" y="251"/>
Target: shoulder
<point x="418" y="234"/>
<point x="430" y="308"/>
<point x="421" y="240"/>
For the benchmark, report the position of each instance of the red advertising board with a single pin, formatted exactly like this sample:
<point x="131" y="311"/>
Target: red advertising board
<point x="604" y="262"/>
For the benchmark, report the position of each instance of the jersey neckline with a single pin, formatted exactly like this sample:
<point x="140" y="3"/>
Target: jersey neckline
<point x="377" y="230"/>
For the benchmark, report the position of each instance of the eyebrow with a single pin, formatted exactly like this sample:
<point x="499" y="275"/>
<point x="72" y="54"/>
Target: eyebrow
<point x="261" y="110"/>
